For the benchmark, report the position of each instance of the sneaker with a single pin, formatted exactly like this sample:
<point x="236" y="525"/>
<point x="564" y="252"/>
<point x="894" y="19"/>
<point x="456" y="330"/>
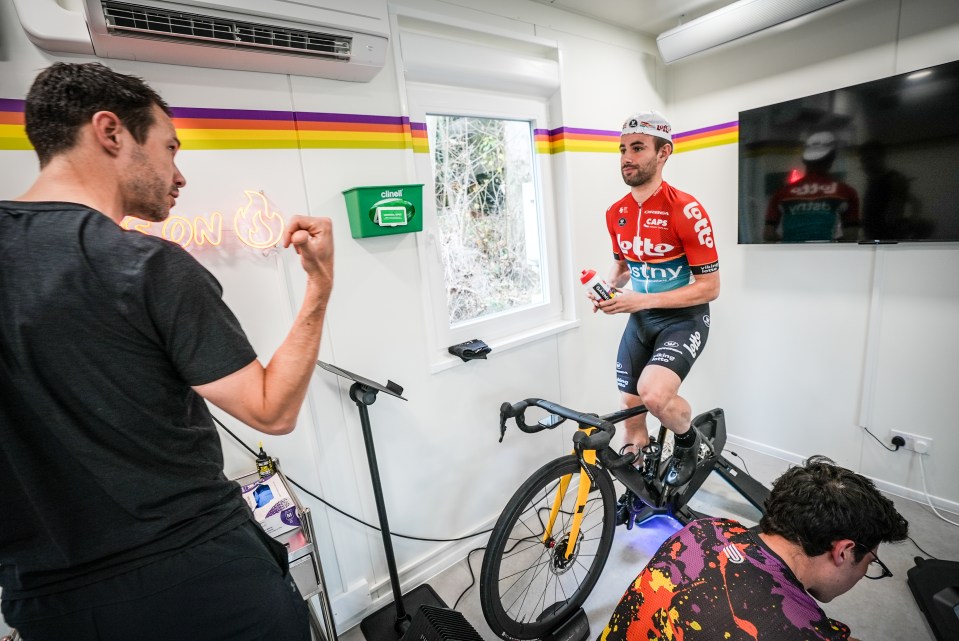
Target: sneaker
<point x="681" y="465"/>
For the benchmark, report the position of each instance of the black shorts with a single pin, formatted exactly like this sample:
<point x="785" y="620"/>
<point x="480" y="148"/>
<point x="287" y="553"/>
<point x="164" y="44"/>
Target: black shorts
<point x="673" y="338"/>
<point x="233" y="587"/>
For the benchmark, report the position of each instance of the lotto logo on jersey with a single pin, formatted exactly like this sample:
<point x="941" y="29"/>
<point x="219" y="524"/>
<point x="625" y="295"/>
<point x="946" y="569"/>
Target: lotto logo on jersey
<point x="703" y="231"/>
<point x="643" y="247"/>
<point x="815" y="189"/>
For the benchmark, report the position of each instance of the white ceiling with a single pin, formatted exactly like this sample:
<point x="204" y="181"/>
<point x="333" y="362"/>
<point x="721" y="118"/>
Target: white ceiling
<point x="650" y="17"/>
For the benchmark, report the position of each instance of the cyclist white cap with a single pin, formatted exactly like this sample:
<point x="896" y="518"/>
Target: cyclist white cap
<point x="648" y="122"/>
<point x="819" y="145"/>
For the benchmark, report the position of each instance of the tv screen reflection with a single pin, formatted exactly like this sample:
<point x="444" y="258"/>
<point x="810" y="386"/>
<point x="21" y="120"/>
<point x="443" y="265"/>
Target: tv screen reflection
<point x="871" y="163"/>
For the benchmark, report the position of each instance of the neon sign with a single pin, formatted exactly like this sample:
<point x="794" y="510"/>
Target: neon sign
<point x="255" y="224"/>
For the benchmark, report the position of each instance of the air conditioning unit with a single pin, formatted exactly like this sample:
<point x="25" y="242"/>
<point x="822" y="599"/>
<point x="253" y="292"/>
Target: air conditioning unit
<point x="340" y="39"/>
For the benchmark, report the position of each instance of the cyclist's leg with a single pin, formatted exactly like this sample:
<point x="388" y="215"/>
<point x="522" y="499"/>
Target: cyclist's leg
<point x="658" y="386"/>
<point x="636" y="434"/>
<point x="630" y="360"/>
<point x="676" y="349"/>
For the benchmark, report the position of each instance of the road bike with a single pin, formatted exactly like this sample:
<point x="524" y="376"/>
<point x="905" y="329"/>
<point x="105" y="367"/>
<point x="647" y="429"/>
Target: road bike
<point x="551" y="542"/>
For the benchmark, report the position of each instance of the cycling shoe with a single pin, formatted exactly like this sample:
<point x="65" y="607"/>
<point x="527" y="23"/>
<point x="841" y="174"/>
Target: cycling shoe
<point x="682" y="465"/>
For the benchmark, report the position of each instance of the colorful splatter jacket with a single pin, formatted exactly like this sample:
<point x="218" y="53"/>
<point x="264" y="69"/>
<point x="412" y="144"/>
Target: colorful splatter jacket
<point x="715" y="579"/>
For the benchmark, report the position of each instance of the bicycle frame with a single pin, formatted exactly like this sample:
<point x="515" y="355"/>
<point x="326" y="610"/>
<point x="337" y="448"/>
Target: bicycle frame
<point x="642" y="483"/>
<point x="585" y="480"/>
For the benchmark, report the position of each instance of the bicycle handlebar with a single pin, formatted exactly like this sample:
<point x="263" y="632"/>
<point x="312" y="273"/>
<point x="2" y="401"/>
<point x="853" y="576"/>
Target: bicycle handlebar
<point x="595" y="441"/>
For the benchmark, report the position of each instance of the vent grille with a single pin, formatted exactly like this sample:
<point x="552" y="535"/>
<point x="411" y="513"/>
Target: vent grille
<point x="134" y="20"/>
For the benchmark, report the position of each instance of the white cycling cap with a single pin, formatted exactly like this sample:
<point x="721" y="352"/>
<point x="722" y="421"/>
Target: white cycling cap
<point x="648" y="122"/>
<point x="819" y="145"/>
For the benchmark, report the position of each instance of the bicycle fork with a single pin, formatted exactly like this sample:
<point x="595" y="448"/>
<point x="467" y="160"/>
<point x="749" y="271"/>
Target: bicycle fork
<point x="586" y="458"/>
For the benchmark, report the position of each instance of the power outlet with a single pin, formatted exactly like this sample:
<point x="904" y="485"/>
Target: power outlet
<point x="914" y="442"/>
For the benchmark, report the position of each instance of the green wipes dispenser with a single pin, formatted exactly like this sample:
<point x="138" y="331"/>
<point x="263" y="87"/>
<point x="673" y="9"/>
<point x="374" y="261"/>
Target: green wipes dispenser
<point x="384" y="210"/>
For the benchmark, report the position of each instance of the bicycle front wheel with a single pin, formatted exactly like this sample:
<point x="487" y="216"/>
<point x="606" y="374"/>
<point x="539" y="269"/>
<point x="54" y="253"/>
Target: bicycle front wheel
<point x="528" y="584"/>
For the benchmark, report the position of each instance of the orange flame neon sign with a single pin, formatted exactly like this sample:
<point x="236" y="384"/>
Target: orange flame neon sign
<point x="255" y="225"/>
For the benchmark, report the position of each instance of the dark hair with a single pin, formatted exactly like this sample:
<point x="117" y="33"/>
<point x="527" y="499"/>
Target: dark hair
<point x="65" y="96"/>
<point x="658" y="143"/>
<point x="820" y="503"/>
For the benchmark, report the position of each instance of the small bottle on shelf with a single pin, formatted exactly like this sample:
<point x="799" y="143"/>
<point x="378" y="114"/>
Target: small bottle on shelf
<point x="264" y="464"/>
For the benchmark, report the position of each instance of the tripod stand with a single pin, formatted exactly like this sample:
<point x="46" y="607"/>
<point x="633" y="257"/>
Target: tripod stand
<point x="383" y="624"/>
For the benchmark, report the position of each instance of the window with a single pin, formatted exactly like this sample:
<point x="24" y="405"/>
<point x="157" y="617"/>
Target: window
<point x="487" y="215"/>
<point x="489" y="247"/>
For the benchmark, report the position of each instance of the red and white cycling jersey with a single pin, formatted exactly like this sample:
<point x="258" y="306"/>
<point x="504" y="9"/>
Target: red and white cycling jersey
<point x="815" y="207"/>
<point x="664" y="240"/>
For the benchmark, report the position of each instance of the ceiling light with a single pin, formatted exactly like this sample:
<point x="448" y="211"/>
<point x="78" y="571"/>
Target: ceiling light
<point x="731" y="22"/>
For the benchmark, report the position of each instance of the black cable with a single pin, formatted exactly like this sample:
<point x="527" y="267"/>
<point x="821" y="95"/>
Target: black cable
<point x="741" y="459"/>
<point x="472" y="576"/>
<point x="348" y="515"/>
<point x="920" y="549"/>
<point x="878" y="440"/>
<point x="470" y="566"/>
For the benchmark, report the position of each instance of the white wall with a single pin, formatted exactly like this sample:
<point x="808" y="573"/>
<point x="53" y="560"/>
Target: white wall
<point x="444" y="474"/>
<point x="790" y="357"/>
<point x="787" y="351"/>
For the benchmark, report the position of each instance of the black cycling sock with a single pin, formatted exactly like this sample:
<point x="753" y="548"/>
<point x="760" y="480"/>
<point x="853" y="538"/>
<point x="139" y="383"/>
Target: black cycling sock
<point x="687" y="439"/>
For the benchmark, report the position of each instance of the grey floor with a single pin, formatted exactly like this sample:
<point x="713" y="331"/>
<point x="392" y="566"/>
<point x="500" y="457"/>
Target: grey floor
<point x="883" y="610"/>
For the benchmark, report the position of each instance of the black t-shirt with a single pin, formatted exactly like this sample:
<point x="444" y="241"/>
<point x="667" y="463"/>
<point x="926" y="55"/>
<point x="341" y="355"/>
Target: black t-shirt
<point x="109" y="458"/>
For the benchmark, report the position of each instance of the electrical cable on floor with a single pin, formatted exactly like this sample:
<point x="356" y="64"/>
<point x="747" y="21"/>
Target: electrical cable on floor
<point x="879" y="440"/>
<point x="918" y="547"/>
<point x="470" y="566"/>
<point x="746" y="469"/>
<point x="922" y="475"/>
<point x="472" y="576"/>
<point x="347" y="514"/>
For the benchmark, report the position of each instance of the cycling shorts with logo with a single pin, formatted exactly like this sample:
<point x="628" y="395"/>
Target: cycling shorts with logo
<point x="673" y="338"/>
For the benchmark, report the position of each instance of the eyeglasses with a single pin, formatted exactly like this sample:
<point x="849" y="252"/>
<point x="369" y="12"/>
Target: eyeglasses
<point x="877" y="569"/>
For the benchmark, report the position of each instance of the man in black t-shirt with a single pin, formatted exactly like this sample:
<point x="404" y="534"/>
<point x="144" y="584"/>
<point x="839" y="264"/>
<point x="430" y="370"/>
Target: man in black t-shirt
<point x="118" y="522"/>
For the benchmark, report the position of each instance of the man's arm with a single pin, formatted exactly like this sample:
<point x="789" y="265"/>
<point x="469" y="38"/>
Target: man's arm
<point x="268" y="398"/>
<point x="703" y="289"/>
<point x="618" y="274"/>
<point x="852" y="216"/>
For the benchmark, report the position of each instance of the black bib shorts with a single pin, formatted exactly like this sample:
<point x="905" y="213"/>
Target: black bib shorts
<point x="673" y="338"/>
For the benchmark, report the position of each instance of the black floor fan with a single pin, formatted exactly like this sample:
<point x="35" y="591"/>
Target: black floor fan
<point x="431" y="619"/>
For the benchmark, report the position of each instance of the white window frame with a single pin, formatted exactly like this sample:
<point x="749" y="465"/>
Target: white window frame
<point x="507" y="329"/>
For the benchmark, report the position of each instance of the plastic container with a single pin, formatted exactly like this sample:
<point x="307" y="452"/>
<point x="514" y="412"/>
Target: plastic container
<point x="591" y="280"/>
<point x="384" y="210"/>
<point x="264" y="464"/>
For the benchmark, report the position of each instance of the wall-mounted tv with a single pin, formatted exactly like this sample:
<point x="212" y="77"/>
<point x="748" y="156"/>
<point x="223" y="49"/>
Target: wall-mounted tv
<point x="871" y="163"/>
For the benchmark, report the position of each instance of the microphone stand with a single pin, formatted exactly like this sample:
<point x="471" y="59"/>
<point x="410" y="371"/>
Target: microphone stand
<point x="383" y="625"/>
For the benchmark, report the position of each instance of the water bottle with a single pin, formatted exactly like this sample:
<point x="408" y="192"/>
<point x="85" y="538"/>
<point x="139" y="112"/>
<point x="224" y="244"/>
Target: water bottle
<point x="595" y="284"/>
